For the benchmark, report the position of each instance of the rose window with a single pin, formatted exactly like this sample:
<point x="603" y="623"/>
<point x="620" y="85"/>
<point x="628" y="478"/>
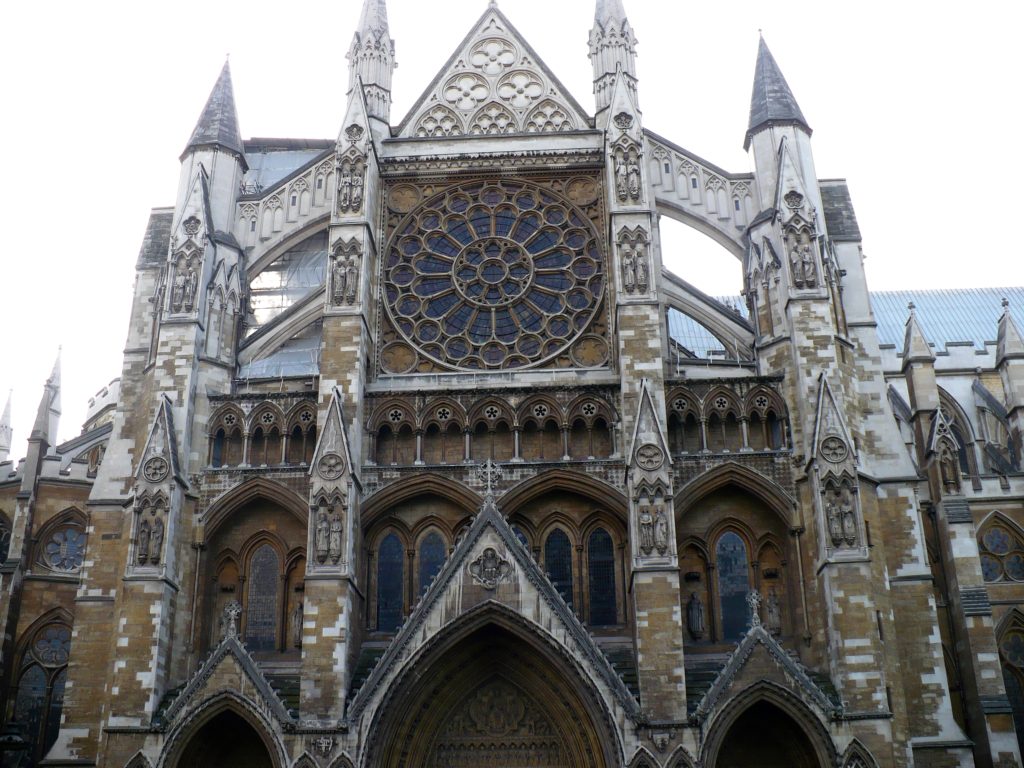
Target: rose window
<point x="65" y="550"/>
<point x="493" y="276"/>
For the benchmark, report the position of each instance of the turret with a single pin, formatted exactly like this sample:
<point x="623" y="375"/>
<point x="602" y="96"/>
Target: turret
<point x="919" y="371"/>
<point x="1010" y="362"/>
<point x="5" y="431"/>
<point x="612" y="47"/>
<point x="371" y="59"/>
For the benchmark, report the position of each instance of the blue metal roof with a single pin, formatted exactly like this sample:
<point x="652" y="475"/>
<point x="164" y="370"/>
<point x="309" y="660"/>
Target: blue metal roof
<point x="965" y="315"/>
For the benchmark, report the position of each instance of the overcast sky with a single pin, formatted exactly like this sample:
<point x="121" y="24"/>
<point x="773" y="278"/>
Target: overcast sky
<point x="916" y="104"/>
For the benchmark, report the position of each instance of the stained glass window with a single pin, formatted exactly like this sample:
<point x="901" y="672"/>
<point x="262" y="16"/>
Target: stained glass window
<point x="733" y="585"/>
<point x="389" y="584"/>
<point x="558" y="563"/>
<point x="262" y="607"/>
<point x="1002" y="554"/>
<point x="601" y="561"/>
<point x="521" y="536"/>
<point x="30" y="703"/>
<point x="431" y="559"/>
<point x="53" y="645"/>
<point x="1015" y="694"/>
<point x="65" y="549"/>
<point x="5" y="540"/>
<point x="477" y="277"/>
<point x="40" y="693"/>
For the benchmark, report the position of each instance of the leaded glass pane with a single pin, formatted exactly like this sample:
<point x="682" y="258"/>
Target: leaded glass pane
<point x="601" y="561"/>
<point x="1013" y="649"/>
<point x="262" y="608"/>
<point x="733" y="585"/>
<point x="558" y="564"/>
<point x="389" y="584"/>
<point x="997" y="540"/>
<point x="56" y="705"/>
<point x="52" y="645"/>
<point x="431" y="559"/>
<point x="65" y="549"/>
<point x="5" y="541"/>
<point x="991" y="569"/>
<point x="1015" y="694"/>
<point x="30" y="702"/>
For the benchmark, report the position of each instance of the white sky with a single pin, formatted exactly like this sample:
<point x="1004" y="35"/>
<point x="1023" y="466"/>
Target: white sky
<point x="916" y="104"/>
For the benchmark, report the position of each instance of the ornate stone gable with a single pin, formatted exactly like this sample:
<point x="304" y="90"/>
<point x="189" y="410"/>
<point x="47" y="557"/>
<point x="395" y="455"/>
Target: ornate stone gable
<point x="493" y="85"/>
<point x="650" y="485"/>
<point x="190" y="235"/>
<point x="334" y="485"/>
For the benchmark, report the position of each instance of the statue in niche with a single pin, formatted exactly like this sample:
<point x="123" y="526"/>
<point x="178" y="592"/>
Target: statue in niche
<point x="178" y="292"/>
<point x="323" y="535"/>
<point x="351" y="278"/>
<point x="345" y="189"/>
<point x="297" y="625"/>
<point x="339" y="275"/>
<point x="695" y="617"/>
<point x="633" y="179"/>
<point x="156" y="541"/>
<point x="357" y="188"/>
<point x="949" y="469"/>
<point x="773" y="613"/>
<point x="833" y="519"/>
<point x="661" y="531"/>
<point x="801" y="262"/>
<point x="334" y="547"/>
<point x="628" y="271"/>
<point x="191" y="283"/>
<point x="849" y="518"/>
<point x="621" y="184"/>
<point x="646" y="530"/>
<point x="142" y="542"/>
<point x="641" y="269"/>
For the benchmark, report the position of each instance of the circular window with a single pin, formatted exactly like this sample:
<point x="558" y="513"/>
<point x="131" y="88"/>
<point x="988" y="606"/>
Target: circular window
<point x="493" y="275"/>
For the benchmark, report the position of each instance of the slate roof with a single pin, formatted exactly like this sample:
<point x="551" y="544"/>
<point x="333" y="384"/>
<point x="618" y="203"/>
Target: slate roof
<point x="218" y="123"/>
<point x="157" y="239"/>
<point x="840" y="218"/>
<point x="957" y="315"/>
<point x="772" y="101"/>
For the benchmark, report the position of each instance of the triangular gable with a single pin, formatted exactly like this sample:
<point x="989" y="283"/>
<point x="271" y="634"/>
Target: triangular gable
<point x="791" y="197"/>
<point x="648" y="428"/>
<point x="160" y="456"/>
<point x="332" y="444"/>
<point x="355" y="129"/>
<point x="194" y="219"/>
<point x="830" y="426"/>
<point x="493" y="84"/>
<point x="478" y="562"/>
<point x="623" y="110"/>
<point x="1010" y="341"/>
<point x="940" y="431"/>
<point x="792" y="674"/>
<point x="915" y="345"/>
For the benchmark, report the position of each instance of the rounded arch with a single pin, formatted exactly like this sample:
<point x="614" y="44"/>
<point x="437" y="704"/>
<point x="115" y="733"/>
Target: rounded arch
<point x="229" y="502"/>
<point x="563" y="480"/>
<point x="734" y="474"/>
<point x="428" y="483"/>
<point x="205" y="714"/>
<point x="415" y="704"/>
<point x="768" y="698"/>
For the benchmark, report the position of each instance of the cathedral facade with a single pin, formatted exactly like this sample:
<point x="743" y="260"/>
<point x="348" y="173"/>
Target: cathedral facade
<point x="420" y="457"/>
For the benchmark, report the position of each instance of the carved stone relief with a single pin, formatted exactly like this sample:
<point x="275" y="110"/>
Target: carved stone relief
<point x="351" y="180"/>
<point x="186" y="280"/>
<point x="841" y="517"/>
<point x="803" y="265"/>
<point x="490" y="569"/>
<point x="150" y="530"/>
<point x="695" y="621"/>
<point x="949" y="468"/>
<point x="649" y="456"/>
<point x="627" y="173"/>
<point x="345" y="265"/>
<point x="633" y="254"/>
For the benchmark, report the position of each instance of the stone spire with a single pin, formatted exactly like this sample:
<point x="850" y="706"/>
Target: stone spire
<point x="48" y="415"/>
<point x="218" y="123"/>
<point x="772" y="102"/>
<point x="371" y="59"/>
<point x="612" y="46"/>
<point x="915" y="344"/>
<point x="5" y="430"/>
<point x="1010" y="340"/>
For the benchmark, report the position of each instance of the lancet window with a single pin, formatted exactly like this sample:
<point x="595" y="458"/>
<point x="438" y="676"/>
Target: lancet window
<point x="390" y="569"/>
<point x="39" y="696"/>
<point x="558" y="563"/>
<point x="601" y="562"/>
<point x="732" y="567"/>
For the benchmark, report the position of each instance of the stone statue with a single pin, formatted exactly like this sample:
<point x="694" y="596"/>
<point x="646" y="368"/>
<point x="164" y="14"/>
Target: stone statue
<point x="334" y="548"/>
<point x="646" y="530"/>
<point x="641" y="269"/>
<point x="796" y="266"/>
<point x="351" y="278"/>
<point x="773" y="613"/>
<point x="754" y="604"/>
<point x="849" y="519"/>
<point x="339" y="275"/>
<point x="628" y="272"/>
<point x="695" y="617"/>
<point x="620" y="179"/>
<point x="949" y="470"/>
<point x="297" y="625"/>
<point x="834" y="521"/>
<point x="156" y="541"/>
<point x="190" y="288"/>
<point x="633" y="176"/>
<point x="178" y="292"/>
<point x="661" y="531"/>
<point x="345" y="190"/>
<point x="357" y="188"/>
<point x="323" y="529"/>
<point x="142" y="542"/>
<point x="810" y="273"/>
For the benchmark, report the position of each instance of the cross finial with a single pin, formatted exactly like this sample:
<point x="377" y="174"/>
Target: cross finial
<point x="1006" y="304"/>
<point x="754" y="601"/>
<point x="911" y="306"/>
<point x="489" y="473"/>
<point x="231" y="613"/>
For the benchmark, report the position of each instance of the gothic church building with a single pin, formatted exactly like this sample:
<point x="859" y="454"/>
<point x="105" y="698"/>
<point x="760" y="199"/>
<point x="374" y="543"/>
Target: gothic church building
<point x="420" y="457"/>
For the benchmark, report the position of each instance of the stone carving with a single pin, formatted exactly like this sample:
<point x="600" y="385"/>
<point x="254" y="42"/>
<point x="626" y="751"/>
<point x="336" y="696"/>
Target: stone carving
<point x="191" y="226"/>
<point x="155" y="469"/>
<point x="142" y="542"/>
<point x="351" y="176"/>
<point x="323" y="745"/>
<point x="627" y="174"/>
<point x="754" y="604"/>
<point x="229" y="620"/>
<point x="649" y="456"/>
<point x="833" y="520"/>
<point x="466" y="91"/>
<point x="646" y="524"/>
<point x="846" y="509"/>
<point x="334" y="539"/>
<point x="156" y="541"/>
<point x="635" y="266"/>
<point x="793" y="199"/>
<point x="185" y="283"/>
<point x="841" y="518"/>
<point x="439" y="121"/>
<point x="949" y="469"/>
<point x="149" y="531"/>
<point x="695" y="617"/>
<point x="661" y="531"/>
<point x="322" y="537"/>
<point x="623" y="121"/>
<point x="520" y="89"/>
<point x="802" y="266"/>
<point x="490" y="569"/>
<point x="331" y="466"/>
<point x="493" y="55"/>
<point x="833" y="449"/>
<point x="548" y="117"/>
<point x="773" y="613"/>
<point x="345" y="273"/>
<point x="490" y="473"/>
<point x="297" y="624"/>
<point x="354" y="132"/>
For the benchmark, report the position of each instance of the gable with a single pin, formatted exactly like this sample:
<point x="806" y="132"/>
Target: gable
<point x="494" y="84"/>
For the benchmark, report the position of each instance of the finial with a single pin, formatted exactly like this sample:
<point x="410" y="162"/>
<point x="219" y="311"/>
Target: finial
<point x="230" y="619"/>
<point x="754" y="602"/>
<point x="1006" y="304"/>
<point x="911" y="306"/>
<point x="492" y="4"/>
<point x="489" y="473"/>
<point x="760" y="33"/>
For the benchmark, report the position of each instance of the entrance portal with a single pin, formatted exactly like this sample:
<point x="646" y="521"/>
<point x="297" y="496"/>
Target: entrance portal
<point x="226" y="741"/>
<point x="492" y="698"/>
<point x="766" y="737"/>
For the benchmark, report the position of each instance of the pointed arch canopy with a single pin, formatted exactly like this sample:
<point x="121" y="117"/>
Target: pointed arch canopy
<point x="563" y="480"/>
<point x="258" y="488"/>
<point x="733" y="474"/>
<point x="428" y="483"/>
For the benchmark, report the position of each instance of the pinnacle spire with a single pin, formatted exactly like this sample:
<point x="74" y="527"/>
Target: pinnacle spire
<point x="1010" y="340"/>
<point x="218" y="124"/>
<point x="371" y="58"/>
<point x="772" y="102"/>
<point x="5" y="430"/>
<point x="610" y="12"/>
<point x="48" y="415"/>
<point x="915" y="344"/>
<point x="612" y="51"/>
<point x="374" y="17"/>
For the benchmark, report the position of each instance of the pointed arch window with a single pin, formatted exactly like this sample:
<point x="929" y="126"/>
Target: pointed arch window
<point x="432" y="555"/>
<point x="39" y="698"/>
<point x="5" y="539"/>
<point x="601" y="567"/>
<point x="558" y="563"/>
<point x="1002" y="553"/>
<point x="262" y="604"/>
<point x="389" y="584"/>
<point x="733" y="584"/>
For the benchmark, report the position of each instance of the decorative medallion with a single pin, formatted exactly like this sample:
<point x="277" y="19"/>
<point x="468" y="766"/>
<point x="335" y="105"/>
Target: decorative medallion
<point x="493" y="55"/>
<point x="624" y="121"/>
<point x="403" y="198"/>
<point x="323" y="745"/>
<point x="155" y="469"/>
<point x="490" y="569"/>
<point x="330" y="466"/>
<point x="833" y="449"/>
<point x="794" y="199"/>
<point x="354" y="132"/>
<point x="491" y="276"/>
<point x="191" y="226"/>
<point x="582" y="191"/>
<point x="649" y="456"/>
<point x="590" y="352"/>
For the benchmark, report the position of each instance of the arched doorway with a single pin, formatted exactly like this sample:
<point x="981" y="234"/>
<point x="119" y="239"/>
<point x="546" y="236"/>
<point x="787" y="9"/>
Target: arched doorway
<point x="226" y="740"/>
<point x="491" y="697"/>
<point x="764" y="735"/>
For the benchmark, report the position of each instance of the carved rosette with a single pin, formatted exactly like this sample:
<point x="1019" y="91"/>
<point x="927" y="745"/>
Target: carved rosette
<point x="490" y="569"/>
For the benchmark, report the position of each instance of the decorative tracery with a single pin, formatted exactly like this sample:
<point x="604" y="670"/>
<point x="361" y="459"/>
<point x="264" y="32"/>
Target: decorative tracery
<point x="493" y="275"/>
<point x="1002" y="553"/>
